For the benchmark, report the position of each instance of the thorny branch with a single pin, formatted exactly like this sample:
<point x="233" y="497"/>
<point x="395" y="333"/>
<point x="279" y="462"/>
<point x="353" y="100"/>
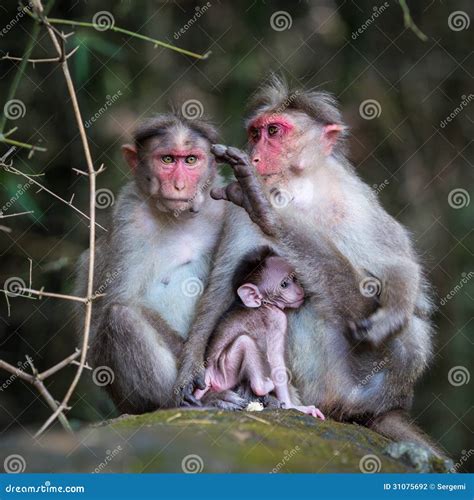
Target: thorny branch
<point x="36" y="379"/>
<point x="80" y="355"/>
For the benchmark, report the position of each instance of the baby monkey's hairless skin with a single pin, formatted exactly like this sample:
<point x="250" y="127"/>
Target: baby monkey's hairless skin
<point x="249" y="344"/>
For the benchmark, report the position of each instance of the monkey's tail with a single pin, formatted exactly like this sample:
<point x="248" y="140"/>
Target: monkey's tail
<point x="395" y="425"/>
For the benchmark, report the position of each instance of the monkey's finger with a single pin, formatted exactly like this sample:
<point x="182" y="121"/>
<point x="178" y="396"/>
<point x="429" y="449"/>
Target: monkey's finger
<point x="220" y="152"/>
<point x="218" y="194"/>
<point x="319" y="414"/>
<point x="199" y="382"/>
<point x="238" y="156"/>
<point x="188" y="396"/>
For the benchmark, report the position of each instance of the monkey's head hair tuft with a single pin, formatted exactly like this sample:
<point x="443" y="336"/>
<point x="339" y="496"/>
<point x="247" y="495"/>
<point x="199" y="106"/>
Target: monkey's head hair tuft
<point x="160" y="125"/>
<point x="274" y="96"/>
<point x="251" y="266"/>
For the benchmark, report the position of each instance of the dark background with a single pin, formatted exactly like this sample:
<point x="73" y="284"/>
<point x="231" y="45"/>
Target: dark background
<point x="406" y="150"/>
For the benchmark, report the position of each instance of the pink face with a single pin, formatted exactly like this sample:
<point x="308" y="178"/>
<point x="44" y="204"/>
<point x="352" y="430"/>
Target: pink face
<point x="276" y="141"/>
<point x="279" y="284"/>
<point x="270" y="136"/>
<point x="178" y="172"/>
<point x="278" y="287"/>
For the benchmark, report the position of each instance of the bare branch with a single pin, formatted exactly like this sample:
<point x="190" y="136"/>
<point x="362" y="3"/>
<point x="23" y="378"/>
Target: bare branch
<point x="133" y="34"/>
<point x="41" y="293"/>
<point x="38" y="383"/>
<point x="7" y="57"/>
<point x="58" y="42"/>
<point x="2" y="216"/>
<point x="30" y="178"/>
<point x="25" y="145"/>
<point x="67" y="361"/>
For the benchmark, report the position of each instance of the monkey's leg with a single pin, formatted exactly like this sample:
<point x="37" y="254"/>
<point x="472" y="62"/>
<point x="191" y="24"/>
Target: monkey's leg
<point x="243" y="360"/>
<point x="395" y="426"/>
<point x="396" y="302"/>
<point x="142" y="362"/>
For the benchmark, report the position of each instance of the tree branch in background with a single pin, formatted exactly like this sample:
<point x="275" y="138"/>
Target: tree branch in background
<point x="409" y="23"/>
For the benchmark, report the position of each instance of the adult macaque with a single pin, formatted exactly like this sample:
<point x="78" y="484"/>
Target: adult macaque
<point x="154" y="261"/>
<point x="360" y="343"/>
<point x="249" y="344"/>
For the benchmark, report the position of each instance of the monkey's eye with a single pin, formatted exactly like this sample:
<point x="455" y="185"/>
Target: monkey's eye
<point x="284" y="284"/>
<point x="272" y="129"/>
<point x="167" y="159"/>
<point x="254" y="133"/>
<point x="190" y="160"/>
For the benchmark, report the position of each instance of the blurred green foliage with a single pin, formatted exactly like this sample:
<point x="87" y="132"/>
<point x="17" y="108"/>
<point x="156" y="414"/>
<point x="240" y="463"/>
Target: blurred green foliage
<point x="417" y="84"/>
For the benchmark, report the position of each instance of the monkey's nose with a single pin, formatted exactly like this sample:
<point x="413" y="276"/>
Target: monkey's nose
<point x="255" y="160"/>
<point x="179" y="186"/>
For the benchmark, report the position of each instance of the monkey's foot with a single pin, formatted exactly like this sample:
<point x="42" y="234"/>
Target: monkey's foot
<point x="310" y="410"/>
<point x="419" y="457"/>
<point x="225" y="400"/>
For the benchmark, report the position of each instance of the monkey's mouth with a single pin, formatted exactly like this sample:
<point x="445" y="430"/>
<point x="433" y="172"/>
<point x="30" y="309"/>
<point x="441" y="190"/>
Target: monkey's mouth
<point x="177" y="203"/>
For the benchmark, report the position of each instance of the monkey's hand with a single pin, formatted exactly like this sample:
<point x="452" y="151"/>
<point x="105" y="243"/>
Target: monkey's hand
<point x="187" y="383"/>
<point x="247" y="192"/>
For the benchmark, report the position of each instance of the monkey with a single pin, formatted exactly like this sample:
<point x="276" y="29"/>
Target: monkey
<point x="154" y="261"/>
<point x="364" y="336"/>
<point x="249" y="343"/>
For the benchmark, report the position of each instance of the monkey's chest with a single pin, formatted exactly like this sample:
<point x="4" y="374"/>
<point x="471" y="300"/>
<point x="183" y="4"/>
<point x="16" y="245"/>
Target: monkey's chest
<point x="175" y="285"/>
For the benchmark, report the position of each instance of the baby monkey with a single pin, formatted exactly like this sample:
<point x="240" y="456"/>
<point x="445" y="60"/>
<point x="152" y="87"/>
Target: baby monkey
<point x="249" y="344"/>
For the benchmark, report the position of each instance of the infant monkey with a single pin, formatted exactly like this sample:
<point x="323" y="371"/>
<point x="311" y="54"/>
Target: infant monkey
<point x="249" y="343"/>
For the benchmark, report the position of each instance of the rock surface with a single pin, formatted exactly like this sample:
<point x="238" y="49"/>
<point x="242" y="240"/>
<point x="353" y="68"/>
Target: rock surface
<point x="207" y="441"/>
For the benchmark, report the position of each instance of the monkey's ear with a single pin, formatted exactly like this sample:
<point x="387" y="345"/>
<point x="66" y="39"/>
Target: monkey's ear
<point x="129" y="152"/>
<point x="330" y="135"/>
<point x="250" y="295"/>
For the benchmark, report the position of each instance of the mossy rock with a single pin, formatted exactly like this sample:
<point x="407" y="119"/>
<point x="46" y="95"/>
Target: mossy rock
<point x="180" y="440"/>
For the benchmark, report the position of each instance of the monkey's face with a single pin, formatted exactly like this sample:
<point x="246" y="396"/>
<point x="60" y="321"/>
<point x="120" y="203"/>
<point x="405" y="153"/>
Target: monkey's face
<point x="279" y="284"/>
<point x="286" y="144"/>
<point x="175" y="170"/>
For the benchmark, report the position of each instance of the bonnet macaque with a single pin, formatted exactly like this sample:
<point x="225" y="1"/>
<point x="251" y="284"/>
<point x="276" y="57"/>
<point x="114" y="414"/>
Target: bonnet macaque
<point x="368" y="302"/>
<point x="250" y="342"/>
<point x="153" y="262"/>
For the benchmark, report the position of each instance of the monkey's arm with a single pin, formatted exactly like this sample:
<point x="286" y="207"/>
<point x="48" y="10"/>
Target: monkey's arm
<point x="323" y="270"/>
<point x="215" y="301"/>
